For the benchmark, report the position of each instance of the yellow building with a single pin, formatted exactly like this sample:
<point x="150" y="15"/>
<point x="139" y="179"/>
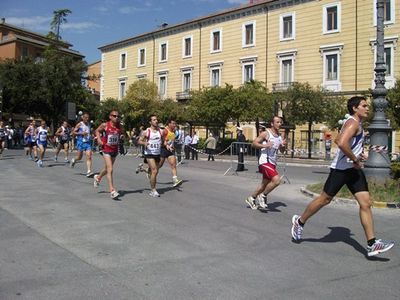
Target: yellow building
<point x="326" y="43"/>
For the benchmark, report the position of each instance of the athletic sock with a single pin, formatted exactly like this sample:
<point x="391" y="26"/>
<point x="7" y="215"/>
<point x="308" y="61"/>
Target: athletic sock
<point x="371" y="242"/>
<point x="300" y="222"/>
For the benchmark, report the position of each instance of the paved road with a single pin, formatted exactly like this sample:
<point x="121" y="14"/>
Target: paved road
<point x="61" y="239"/>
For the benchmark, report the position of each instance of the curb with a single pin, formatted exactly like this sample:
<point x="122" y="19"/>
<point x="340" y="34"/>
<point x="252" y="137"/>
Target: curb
<point x="375" y="204"/>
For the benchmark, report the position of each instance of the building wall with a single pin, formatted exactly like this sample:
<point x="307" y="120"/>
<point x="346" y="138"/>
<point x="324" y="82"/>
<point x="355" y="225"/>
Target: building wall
<point x="8" y="51"/>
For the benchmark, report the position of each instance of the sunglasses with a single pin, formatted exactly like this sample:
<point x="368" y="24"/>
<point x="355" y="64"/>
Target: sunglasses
<point x="115" y="116"/>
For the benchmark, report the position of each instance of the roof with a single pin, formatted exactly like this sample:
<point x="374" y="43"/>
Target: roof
<point x="192" y="21"/>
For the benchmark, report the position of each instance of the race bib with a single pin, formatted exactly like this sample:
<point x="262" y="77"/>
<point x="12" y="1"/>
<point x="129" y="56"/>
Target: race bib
<point x="112" y="139"/>
<point x="154" y="146"/>
<point x="43" y="138"/>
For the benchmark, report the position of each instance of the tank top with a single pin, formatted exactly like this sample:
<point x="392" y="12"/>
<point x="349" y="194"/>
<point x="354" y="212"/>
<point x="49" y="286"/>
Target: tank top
<point x="169" y="137"/>
<point x="65" y="134"/>
<point x="84" y="128"/>
<point x="31" y="134"/>
<point x="341" y="161"/>
<point x="153" y="142"/>
<point x="111" y="138"/>
<point x="270" y="155"/>
<point x="42" y="134"/>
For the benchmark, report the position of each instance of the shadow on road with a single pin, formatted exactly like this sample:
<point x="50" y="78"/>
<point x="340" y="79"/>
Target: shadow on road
<point x="343" y="234"/>
<point x="273" y="207"/>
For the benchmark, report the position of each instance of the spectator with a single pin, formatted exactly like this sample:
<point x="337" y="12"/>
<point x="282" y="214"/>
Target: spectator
<point x="240" y="149"/>
<point x="188" y="141"/>
<point x="194" y="145"/>
<point x="210" y="145"/>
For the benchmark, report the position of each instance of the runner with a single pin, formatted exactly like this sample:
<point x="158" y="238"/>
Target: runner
<point x="108" y="136"/>
<point x="151" y="139"/>
<point x="83" y="144"/>
<point x="42" y="133"/>
<point x="3" y="136"/>
<point x="63" y="135"/>
<point x="30" y="140"/>
<point x="168" y="150"/>
<point x="269" y="142"/>
<point x="346" y="170"/>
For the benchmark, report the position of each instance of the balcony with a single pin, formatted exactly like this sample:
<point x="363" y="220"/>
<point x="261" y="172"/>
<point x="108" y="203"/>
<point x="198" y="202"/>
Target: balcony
<point x="282" y="86"/>
<point x="183" y="96"/>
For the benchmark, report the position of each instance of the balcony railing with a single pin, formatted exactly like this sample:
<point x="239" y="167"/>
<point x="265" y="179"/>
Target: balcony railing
<point x="282" y="86"/>
<point x="183" y="96"/>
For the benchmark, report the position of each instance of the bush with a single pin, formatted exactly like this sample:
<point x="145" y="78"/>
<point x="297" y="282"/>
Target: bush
<point x="395" y="170"/>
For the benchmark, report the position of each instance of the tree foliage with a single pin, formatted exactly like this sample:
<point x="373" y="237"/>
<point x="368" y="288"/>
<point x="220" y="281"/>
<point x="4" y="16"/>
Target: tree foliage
<point x="393" y="111"/>
<point x="59" y="17"/>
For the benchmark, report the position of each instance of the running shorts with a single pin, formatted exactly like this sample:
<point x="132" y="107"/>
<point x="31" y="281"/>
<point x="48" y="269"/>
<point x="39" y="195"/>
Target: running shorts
<point x="150" y="156"/>
<point x="268" y="170"/>
<point x="166" y="153"/>
<point x="83" y="146"/>
<point x="111" y="154"/>
<point x="353" y="178"/>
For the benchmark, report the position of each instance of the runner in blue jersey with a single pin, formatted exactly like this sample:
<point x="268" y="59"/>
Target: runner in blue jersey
<point x="30" y="140"/>
<point x="42" y="134"/>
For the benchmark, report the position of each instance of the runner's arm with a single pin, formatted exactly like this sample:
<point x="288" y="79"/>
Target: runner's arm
<point x="258" y="142"/>
<point x="98" y="131"/>
<point x="344" y="137"/>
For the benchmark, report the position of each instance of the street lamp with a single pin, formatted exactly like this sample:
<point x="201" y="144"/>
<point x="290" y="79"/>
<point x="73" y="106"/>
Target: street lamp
<point x="378" y="164"/>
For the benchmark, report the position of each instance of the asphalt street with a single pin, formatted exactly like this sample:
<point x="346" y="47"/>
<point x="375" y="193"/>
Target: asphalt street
<point x="63" y="239"/>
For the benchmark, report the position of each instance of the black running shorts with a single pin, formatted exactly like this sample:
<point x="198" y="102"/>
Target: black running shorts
<point x="353" y="178"/>
<point x="150" y="156"/>
<point x="166" y="153"/>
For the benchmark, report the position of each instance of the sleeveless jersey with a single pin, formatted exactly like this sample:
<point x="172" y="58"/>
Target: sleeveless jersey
<point x="31" y="134"/>
<point x="154" y="142"/>
<point x="42" y="135"/>
<point x="169" y="137"/>
<point x="270" y="155"/>
<point x="83" y="128"/>
<point x="110" y="138"/>
<point x="65" y="134"/>
<point x="341" y="161"/>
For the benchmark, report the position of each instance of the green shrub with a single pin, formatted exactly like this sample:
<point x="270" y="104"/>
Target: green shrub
<point x="395" y="170"/>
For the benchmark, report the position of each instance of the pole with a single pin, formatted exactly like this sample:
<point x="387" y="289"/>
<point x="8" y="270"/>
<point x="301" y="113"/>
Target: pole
<point x="377" y="166"/>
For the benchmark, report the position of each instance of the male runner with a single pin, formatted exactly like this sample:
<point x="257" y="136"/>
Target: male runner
<point x="108" y="137"/>
<point x="269" y="142"/>
<point x="151" y="139"/>
<point x="30" y="140"/>
<point x="168" y="150"/>
<point x="84" y="143"/>
<point x="42" y="133"/>
<point x="346" y="170"/>
<point x="3" y="136"/>
<point x="64" y="136"/>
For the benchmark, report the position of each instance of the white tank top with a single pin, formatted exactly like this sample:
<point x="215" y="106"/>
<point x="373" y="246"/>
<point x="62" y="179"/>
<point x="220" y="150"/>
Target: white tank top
<point x="153" y="142"/>
<point x="341" y="161"/>
<point x="270" y="155"/>
<point x="42" y="134"/>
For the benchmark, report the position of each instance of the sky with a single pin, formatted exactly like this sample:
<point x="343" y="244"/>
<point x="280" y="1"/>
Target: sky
<point x="95" y="23"/>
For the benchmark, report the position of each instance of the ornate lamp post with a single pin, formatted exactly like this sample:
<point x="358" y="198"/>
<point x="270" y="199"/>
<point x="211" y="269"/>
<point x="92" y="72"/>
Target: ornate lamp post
<point x="378" y="163"/>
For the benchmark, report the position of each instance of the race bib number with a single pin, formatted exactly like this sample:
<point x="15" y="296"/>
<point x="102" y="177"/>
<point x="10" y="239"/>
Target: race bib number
<point x="43" y="138"/>
<point x="112" y="139"/>
<point x="154" y="146"/>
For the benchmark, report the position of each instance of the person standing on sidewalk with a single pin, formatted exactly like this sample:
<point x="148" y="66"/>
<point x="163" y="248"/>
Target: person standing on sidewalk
<point x="269" y="142"/>
<point x="210" y="145"/>
<point x="84" y="144"/>
<point x="346" y="170"/>
<point x="194" y="145"/>
<point x="240" y="149"/>
<point x="151" y="139"/>
<point x="188" y="141"/>
<point x="108" y="136"/>
<point x="168" y="150"/>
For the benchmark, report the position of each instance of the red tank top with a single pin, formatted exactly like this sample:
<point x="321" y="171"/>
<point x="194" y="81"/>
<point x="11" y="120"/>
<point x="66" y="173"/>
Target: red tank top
<point x="111" y="138"/>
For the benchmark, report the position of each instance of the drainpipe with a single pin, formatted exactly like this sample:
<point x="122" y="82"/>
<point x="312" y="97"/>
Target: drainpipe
<point x="200" y="57"/>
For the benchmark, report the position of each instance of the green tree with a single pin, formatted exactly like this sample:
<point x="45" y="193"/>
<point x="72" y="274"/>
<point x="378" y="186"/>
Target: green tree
<point x="393" y="111"/>
<point x="59" y="17"/>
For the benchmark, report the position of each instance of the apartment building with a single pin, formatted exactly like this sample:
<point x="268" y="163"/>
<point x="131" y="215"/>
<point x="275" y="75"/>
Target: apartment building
<point x="17" y="43"/>
<point x="327" y="43"/>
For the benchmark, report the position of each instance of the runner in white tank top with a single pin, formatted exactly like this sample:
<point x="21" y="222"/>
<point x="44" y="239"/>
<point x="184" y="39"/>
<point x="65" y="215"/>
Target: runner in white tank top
<point x="269" y="142"/>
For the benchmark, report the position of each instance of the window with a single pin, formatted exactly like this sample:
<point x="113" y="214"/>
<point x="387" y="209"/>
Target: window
<point x="122" y="89"/>
<point x="287" y="27"/>
<point x="187" y="47"/>
<point x="122" y="61"/>
<point x="388" y="12"/>
<point x="248" y="34"/>
<point x="216" y="41"/>
<point x="331" y="66"/>
<point x="187" y="81"/>
<point x="141" y="76"/>
<point x="24" y="52"/>
<point x="390" y="45"/>
<point x="331" y="18"/>
<point x="388" y="61"/>
<point x="215" y="77"/>
<point x="248" y="68"/>
<point x="163" y="52"/>
<point x="162" y="86"/>
<point x="141" y="57"/>
<point x="287" y="71"/>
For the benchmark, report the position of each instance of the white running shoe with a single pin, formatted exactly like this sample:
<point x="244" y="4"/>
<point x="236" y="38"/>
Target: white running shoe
<point x="66" y="161"/>
<point x="154" y="194"/>
<point x="262" y="201"/>
<point x="379" y="246"/>
<point x="89" y="174"/>
<point x="72" y="163"/>
<point x="139" y="168"/>
<point x="96" y="181"/>
<point x="177" y="182"/>
<point x="114" y="195"/>
<point x="297" y="229"/>
<point x="251" y="202"/>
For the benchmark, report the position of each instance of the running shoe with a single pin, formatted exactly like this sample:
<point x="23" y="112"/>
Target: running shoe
<point x="36" y="159"/>
<point x="251" y="202"/>
<point x="66" y="161"/>
<point x="177" y="182"/>
<point x="139" y="168"/>
<point x="96" y="181"/>
<point x="154" y="194"/>
<point x="297" y="229"/>
<point x="379" y="246"/>
<point x="114" y="195"/>
<point x="89" y="174"/>
<point x="72" y="163"/>
<point x="262" y="201"/>
<point x="55" y="158"/>
<point x="40" y="164"/>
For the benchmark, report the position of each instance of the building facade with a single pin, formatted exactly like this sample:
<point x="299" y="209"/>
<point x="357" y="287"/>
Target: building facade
<point x="327" y="43"/>
<point x="93" y="80"/>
